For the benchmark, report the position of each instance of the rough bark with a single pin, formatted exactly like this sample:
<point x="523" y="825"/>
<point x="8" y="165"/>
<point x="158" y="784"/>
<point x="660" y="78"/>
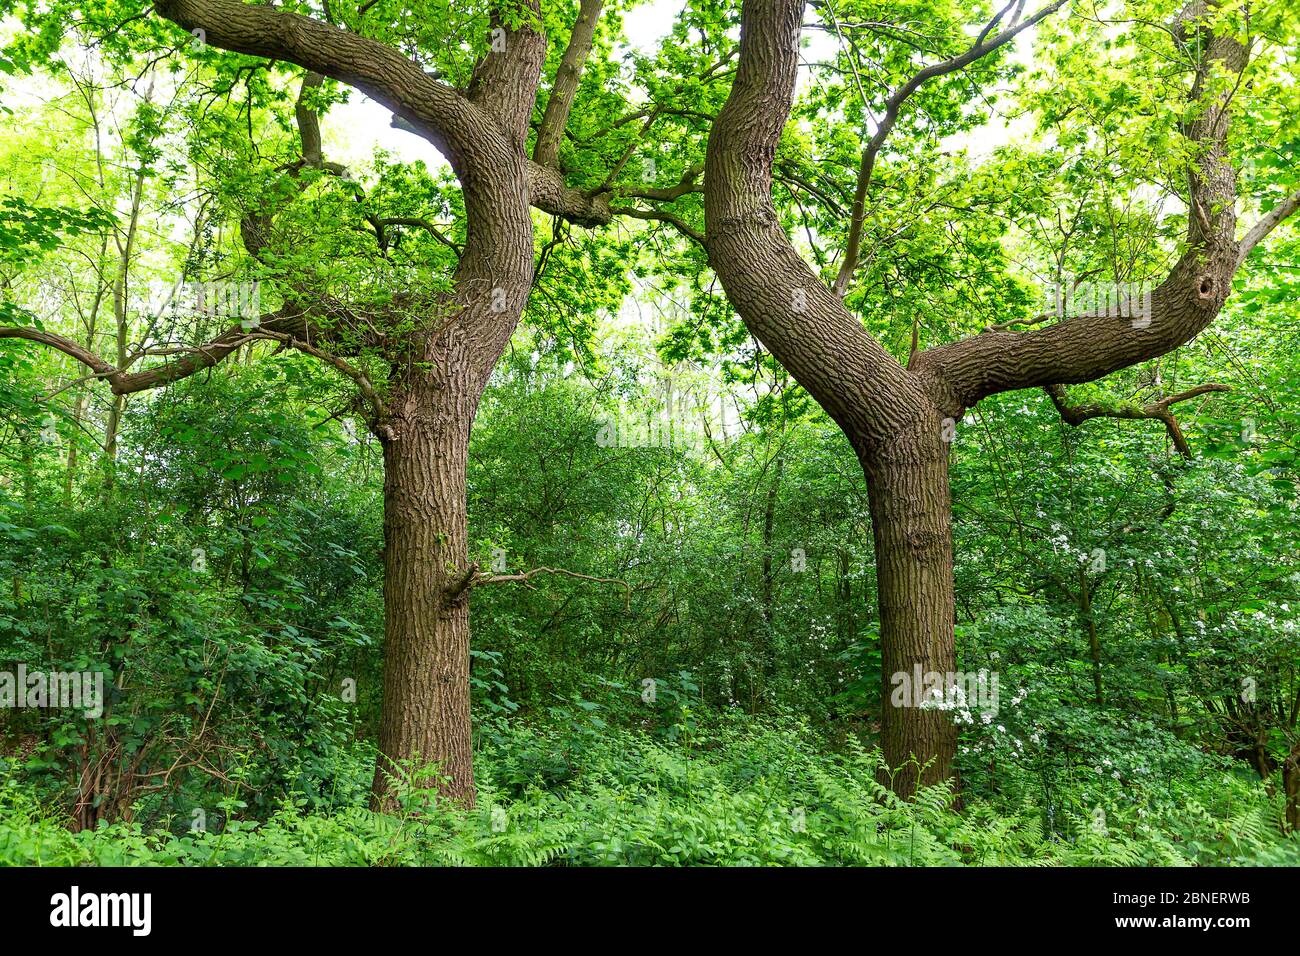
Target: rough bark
<point x="911" y="519"/>
<point x="436" y="374"/>
<point x="426" y="438"/>
<point x="1091" y="346"/>
<point x="896" y="418"/>
<point x="886" y="412"/>
<point x="546" y="151"/>
<point x="426" y="719"/>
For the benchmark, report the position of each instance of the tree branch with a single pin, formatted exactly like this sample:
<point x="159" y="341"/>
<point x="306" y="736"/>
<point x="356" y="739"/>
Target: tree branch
<point x="359" y="377"/>
<point x="783" y="303"/>
<point x="1089" y="346"/>
<point x="472" y="578"/>
<point x="99" y="366"/>
<point x="979" y="49"/>
<point x="193" y="360"/>
<point x="1267" y="223"/>
<point x="459" y="129"/>
<point x="546" y="151"/>
<point x="684" y="187"/>
<point x="1076" y="415"/>
<point x="504" y="83"/>
<point x="659" y="215"/>
<point x="419" y="223"/>
<point x="547" y="190"/>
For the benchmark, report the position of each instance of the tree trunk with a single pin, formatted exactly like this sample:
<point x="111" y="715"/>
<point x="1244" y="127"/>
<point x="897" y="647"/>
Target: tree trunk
<point x="769" y="522"/>
<point x="891" y="416"/>
<point x="426" y="712"/>
<point x="111" y="430"/>
<point x="70" y="472"/>
<point x="1094" y="642"/>
<point x="122" y="320"/>
<point x="1291" y="787"/>
<point x="911" y="514"/>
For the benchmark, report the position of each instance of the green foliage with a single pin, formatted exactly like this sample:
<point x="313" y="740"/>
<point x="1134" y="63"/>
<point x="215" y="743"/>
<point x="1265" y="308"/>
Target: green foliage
<point x="703" y="685"/>
<point x="737" y="794"/>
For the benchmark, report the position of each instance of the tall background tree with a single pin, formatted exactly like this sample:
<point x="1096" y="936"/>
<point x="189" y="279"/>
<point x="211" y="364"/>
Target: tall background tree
<point x="419" y="354"/>
<point x="901" y="418"/>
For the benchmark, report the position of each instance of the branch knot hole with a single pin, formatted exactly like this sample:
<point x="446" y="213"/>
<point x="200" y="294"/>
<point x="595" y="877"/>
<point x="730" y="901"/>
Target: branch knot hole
<point x="922" y="540"/>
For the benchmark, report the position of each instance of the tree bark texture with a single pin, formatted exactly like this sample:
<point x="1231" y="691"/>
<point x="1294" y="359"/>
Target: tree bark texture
<point x="900" y="420"/>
